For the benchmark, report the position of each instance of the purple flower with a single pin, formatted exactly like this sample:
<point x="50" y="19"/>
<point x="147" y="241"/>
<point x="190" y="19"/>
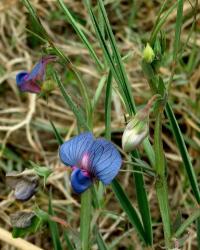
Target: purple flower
<point x="29" y="82"/>
<point x="90" y="159"/>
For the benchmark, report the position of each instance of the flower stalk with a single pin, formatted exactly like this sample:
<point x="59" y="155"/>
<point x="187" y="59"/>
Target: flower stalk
<point x="86" y="212"/>
<point x="161" y="182"/>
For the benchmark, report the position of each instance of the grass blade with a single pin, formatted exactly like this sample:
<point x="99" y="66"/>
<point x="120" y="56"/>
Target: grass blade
<point x="187" y="223"/>
<point x="122" y="80"/>
<point x="80" y="33"/>
<point x="179" y="18"/>
<point x="56" y="133"/>
<point x="183" y="151"/>
<point x="79" y="116"/>
<point x="108" y="107"/>
<point x="159" y="25"/>
<point x="108" y="55"/>
<point x="54" y="229"/>
<point x="100" y="242"/>
<point x="128" y="208"/>
<point x="68" y="242"/>
<point x="117" y="189"/>
<point x="98" y="92"/>
<point x="198" y="231"/>
<point x="143" y="201"/>
<point x="36" y="21"/>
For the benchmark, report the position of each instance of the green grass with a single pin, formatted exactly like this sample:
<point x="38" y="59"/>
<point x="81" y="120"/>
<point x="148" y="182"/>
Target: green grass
<point x="136" y="202"/>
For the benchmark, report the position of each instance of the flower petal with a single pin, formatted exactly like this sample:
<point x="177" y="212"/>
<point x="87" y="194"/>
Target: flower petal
<point x="80" y="181"/>
<point x="29" y="86"/>
<point x="72" y="151"/>
<point x="38" y="72"/>
<point x="20" y="77"/>
<point x="105" y="160"/>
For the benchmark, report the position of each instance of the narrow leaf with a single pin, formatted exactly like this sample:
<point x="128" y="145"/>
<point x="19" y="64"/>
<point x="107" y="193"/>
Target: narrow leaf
<point x="128" y="209"/>
<point x="179" y="18"/>
<point x="54" y="229"/>
<point x="183" y="151"/>
<point x="161" y="22"/>
<point x="80" y="33"/>
<point x="108" y="106"/>
<point x="79" y="116"/>
<point x="57" y="134"/>
<point x="100" y="242"/>
<point x="187" y="223"/>
<point x="68" y="242"/>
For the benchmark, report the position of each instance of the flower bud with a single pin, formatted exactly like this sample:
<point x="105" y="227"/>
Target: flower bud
<point x="136" y="131"/>
<point x="48" y="86"/>
<point x="148" y="54"/>
<point x="138" y="128"/>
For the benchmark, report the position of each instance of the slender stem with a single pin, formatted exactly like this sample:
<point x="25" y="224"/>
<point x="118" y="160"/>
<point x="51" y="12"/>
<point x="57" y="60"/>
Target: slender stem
<point x="86" y="207"/>
<point x="161" y="183"/>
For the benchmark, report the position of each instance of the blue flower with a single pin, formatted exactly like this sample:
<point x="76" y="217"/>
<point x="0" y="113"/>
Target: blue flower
<point x="90" y="159"/>
<point x="29" y="82"/>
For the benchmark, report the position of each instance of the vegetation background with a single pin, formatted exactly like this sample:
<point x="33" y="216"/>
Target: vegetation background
<point x="26" y="133"/>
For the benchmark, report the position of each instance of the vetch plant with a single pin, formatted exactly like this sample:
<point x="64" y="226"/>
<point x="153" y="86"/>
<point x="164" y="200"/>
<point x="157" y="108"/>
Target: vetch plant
<point x="90" y="159"/>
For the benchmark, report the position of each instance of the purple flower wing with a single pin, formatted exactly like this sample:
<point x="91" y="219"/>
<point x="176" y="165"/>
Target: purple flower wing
<point x="71" y="152"/>
<point x="30" y="86"/>
<point x="79" y="181"/>
<point x="105" y="160"/>
<point x="38" y="72"/>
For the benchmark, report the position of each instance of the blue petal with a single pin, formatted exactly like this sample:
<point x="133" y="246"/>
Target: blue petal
<point x="38" y="72"/>
<point x="105" y="161"/>
<point x="71" y="152"/>
<point x="79" y="181"/>
<point x="20" y="77"/>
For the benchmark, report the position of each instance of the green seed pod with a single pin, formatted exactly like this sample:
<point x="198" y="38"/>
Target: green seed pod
<point x="48" y="86"/>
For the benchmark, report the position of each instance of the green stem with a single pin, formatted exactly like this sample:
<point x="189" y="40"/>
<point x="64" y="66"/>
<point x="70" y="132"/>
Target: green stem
<point x="161" y="183"/>
<point x="143" y="201"/>
<point x="198" y="230"/>
<point x="86" y="211"/>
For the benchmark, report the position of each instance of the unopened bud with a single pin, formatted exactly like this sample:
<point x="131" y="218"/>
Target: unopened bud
<point x="48" y="86"/>
<point x="148" y="54"/>
<point x="138" y="128"/>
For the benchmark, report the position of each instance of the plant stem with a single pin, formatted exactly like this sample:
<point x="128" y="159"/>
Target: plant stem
<point x="161" y="183"/>
<point x="86" y="207"/>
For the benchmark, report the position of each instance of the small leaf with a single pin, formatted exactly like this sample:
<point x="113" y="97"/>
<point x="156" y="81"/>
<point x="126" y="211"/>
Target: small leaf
<point x="41" y="171"/>
<point x="44" y="216"/>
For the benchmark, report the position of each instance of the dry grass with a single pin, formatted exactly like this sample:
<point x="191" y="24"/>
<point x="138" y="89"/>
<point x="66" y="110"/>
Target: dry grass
<point x="26" y="133"/>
